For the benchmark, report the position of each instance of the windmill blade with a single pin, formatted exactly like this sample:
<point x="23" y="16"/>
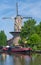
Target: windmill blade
<point x="17" y="9"/>
<point x="27" y="17"/>
<point x="8" y="18"/>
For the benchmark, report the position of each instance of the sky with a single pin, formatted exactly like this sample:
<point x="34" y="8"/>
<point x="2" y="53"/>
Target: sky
<point x="28" y="8"/>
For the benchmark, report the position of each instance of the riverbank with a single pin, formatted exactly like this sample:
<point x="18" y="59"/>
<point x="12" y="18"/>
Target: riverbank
<point x="36" y="51"/>
<point x="29" y="52"/>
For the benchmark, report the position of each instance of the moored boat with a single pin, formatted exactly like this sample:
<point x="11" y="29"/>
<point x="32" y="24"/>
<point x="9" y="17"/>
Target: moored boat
<point x="17" y="49"/>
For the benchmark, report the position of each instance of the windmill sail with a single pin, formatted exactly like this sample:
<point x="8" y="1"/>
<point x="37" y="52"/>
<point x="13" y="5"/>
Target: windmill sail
<point x="27" y="17"/>
<point x="17" y="9"/>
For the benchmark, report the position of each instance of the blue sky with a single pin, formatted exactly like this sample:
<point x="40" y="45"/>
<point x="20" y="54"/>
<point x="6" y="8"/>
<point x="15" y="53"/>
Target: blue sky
<point x="30" y="8"/>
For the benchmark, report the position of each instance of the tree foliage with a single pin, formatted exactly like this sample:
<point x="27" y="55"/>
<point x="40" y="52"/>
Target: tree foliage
<point x="31" y="33"/>
<point x="28" y="28"/>
<point x="3" y="38"/>
<point x="35" y="39"/>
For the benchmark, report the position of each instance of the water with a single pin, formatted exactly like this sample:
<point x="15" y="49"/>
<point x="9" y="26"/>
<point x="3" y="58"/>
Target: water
<point x="19" y="59"/>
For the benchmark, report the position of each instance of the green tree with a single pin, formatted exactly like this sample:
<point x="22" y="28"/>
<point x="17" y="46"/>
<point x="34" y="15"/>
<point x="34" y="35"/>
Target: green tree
<point x="28" y="28"/>
<point x="40" y="29"/>
<point x="3" y="38"/>
<point x="35" y="41"/>
<point x="31" y="34"/>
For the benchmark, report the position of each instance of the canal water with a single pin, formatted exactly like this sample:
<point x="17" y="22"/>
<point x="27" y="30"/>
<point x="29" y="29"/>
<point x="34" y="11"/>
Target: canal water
<point x="20" y="59"/>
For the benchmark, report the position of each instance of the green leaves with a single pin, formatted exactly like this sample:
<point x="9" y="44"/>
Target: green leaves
<point x="35" y="39"/>
<point x="28" y="28"/>
<point x="31" y="33"/>
<point x="3" y="38"/>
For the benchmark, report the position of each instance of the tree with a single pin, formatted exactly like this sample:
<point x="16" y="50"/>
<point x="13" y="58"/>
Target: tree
<point x="35" y="41"/>
<point x="31" y="33"/>
<point x="28" y="28"/>
<point x="38" y="29"/>
<point x="3" y="38"/>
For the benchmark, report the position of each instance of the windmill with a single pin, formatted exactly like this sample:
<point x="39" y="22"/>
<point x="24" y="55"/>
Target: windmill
<point x="17" y="25"/>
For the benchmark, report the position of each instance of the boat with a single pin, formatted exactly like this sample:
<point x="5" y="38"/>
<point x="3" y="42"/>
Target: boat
<point x="17" y="49"/>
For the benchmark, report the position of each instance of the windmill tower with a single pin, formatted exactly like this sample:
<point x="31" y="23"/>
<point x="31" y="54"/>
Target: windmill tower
<point x="17" y="26"/>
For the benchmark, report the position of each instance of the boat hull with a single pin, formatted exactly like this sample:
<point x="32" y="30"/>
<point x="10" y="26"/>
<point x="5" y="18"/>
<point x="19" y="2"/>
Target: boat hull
<point x="18" y="50"/>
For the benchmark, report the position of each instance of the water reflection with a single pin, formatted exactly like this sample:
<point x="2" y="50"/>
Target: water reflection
<point x="36" y="59"/>
<point x="19" y="59"/>
<point x="6" y="59"/>
<point x="2" y="58"/>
